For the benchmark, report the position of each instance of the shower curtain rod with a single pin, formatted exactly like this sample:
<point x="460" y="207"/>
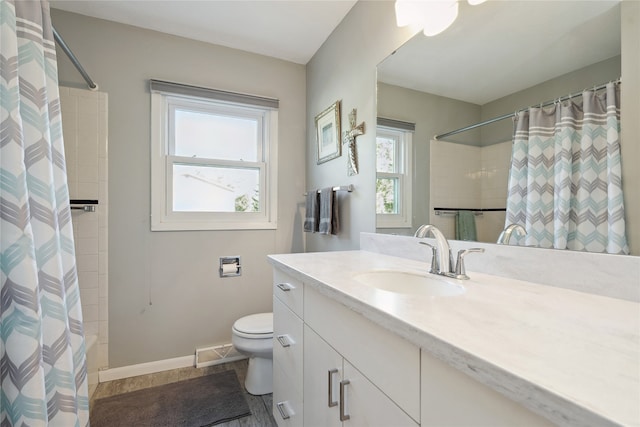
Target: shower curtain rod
<point x="74" y="60"/>
<point x="506" y="116"/>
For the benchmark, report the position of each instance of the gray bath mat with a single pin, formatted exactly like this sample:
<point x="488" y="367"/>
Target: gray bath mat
<point x="198" y="402"/>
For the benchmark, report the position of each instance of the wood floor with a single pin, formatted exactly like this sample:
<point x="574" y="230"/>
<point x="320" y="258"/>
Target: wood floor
<point x="260" y="406"/>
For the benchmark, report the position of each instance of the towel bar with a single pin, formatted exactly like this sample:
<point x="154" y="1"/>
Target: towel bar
<point x="87" y="205"/>
<point x="477" y="212"/>
<point x="455" y="212"/>
<point x="348" y="188"/>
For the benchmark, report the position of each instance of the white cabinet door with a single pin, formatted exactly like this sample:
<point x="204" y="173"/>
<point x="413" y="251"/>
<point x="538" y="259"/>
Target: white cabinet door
<point x="287" y="366"/>
<point x="322" y="376"/>
<point x="390" y="362"/>
<point x="337" y="394"/>
<point x="452" y="398"/>
<point x="366" y="405"/>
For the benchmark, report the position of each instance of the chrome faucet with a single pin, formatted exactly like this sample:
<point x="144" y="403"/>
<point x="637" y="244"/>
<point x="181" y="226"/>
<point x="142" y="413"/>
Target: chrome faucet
<point x="441" y="253"/>
<point x="505" y="236"/>
<point x="442" y="260"/>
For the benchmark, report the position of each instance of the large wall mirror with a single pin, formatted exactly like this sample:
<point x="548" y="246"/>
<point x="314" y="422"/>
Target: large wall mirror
<point x="497" y="58"/>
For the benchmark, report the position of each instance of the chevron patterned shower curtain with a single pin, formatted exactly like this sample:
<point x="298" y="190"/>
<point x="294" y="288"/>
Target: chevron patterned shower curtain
<point x="565" y="183"/>
<point x="43" y="365"/>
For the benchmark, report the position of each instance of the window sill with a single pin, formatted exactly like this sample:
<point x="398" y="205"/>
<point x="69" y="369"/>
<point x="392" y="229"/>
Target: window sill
<point x="209" y="226"/>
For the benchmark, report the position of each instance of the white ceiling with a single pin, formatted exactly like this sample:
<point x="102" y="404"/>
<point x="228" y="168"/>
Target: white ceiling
<point x="493" y="49"/>
<point x="292" y="30"/>
<point x="501" y="47"/>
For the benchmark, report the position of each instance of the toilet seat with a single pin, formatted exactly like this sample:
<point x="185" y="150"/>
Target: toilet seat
<point x="256" y="326"/>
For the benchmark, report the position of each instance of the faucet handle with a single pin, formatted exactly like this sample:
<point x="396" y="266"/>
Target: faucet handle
<point x="434" y="258"/>
<point x="460" y="270"/>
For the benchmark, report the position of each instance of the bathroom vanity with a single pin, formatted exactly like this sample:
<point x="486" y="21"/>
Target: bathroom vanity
<point x="350" y="350"/>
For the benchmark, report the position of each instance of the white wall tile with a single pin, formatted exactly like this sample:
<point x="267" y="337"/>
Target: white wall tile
<point x="87" y="190"/>
<point x="90" y="296"/>
<point x="88" y="279"/>
<point x="85" y="127"/>
<point x="91" y="328"/>
<point x="87" y="225"/>
<point x="480" y="181"/>
<point x="103" y="309"/>
<point x="103" y="335"/>
<point x="87" y="173"/>
<point x="90" y="312"/>
<point x="87" y="262"/>
<point x="87" y="245"/>
<point x="103" y="355"/>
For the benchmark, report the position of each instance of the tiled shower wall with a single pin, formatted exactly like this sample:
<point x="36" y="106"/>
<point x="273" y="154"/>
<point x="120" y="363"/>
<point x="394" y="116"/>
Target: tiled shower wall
<point x="84" y="123"/>
<point x="470" y="177"/>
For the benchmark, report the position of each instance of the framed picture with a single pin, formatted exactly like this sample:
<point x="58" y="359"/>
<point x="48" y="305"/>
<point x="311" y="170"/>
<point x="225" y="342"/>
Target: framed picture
<point x="328" y="133"/>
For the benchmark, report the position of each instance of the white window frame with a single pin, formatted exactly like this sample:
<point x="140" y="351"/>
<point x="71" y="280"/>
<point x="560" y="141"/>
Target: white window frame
<point x="163" y="217"/>
<point x="404" y="148"/>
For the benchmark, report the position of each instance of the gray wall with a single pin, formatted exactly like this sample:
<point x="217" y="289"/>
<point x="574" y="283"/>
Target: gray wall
<point x="630" y="119"/>
<point x="165" y="296"/>
<point x="432" y="114"/>
<point x="573" y="82"/>
<point x="345" y="68"/>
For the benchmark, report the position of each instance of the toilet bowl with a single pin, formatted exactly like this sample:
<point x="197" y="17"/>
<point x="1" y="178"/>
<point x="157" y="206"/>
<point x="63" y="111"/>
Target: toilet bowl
<point x="253" y="336"/>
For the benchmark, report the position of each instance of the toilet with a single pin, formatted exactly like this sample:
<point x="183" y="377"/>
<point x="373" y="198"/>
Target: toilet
<point x="253" y="336"/>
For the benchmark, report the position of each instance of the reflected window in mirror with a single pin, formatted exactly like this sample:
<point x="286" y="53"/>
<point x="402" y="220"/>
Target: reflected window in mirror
<point x="393" y="177"/>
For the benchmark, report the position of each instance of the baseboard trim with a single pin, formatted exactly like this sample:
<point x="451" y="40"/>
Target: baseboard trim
<point x="158" y="366"/>
<point x="146" y="368"/>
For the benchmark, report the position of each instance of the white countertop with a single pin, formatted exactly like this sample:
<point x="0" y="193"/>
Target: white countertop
<point x="570" y="356"/>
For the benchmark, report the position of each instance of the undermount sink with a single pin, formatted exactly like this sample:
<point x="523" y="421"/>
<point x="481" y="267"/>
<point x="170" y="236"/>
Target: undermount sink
<point x="403" y="282"/>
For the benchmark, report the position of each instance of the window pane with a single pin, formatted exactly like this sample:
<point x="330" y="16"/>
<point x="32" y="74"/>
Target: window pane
<point x="386" y="154"/>
<point x="215" y="136"/>
<point x="215" y="189"/>
<point x="387" y="196"/>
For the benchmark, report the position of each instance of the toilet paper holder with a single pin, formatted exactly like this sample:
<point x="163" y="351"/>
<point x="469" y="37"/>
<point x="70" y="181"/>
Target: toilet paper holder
<point x="230" y="266"/>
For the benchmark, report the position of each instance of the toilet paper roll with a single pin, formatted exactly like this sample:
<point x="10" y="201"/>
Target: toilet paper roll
<point x="229" y="268"/>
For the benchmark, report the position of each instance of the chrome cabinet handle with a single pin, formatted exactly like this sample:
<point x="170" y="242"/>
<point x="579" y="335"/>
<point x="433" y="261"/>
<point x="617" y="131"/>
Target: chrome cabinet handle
<point x="285" y="287"/>
<point x="284" y="340"/>
<point x="283" y="411"/>
<point x="330" y="402"/>
<point x="343" y="416"/>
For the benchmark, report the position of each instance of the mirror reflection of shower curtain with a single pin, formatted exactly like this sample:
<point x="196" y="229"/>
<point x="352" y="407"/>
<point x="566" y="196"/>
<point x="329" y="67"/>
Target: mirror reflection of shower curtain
<point x="565" y="184"/>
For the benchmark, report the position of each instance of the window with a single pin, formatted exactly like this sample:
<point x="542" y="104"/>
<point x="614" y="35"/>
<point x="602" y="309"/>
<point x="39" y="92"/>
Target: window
<point x="393" y="176"/>
<point x="213" y="159"/>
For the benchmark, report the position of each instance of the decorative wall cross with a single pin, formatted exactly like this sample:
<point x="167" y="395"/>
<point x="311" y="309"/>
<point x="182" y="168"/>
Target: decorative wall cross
<point x="349" y="137"/>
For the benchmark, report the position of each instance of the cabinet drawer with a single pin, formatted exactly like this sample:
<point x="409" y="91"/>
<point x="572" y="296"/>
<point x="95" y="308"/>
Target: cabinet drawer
<point x="289" y="290"/>
<point x="288" y="345"/>
<point x="287" y="403"/>
<point x="390" y="362"/>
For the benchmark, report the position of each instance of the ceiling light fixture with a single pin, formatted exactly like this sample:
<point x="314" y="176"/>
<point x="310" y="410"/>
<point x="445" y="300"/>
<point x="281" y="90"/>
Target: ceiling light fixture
<point x="410" y="12"/>
<point x="433" y="16"/>
<point x="440" y="16"/>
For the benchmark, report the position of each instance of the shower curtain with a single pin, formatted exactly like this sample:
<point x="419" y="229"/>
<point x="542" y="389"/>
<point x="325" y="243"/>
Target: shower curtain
<point x="565" y="184"/>
<point x="43" y="365"/>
